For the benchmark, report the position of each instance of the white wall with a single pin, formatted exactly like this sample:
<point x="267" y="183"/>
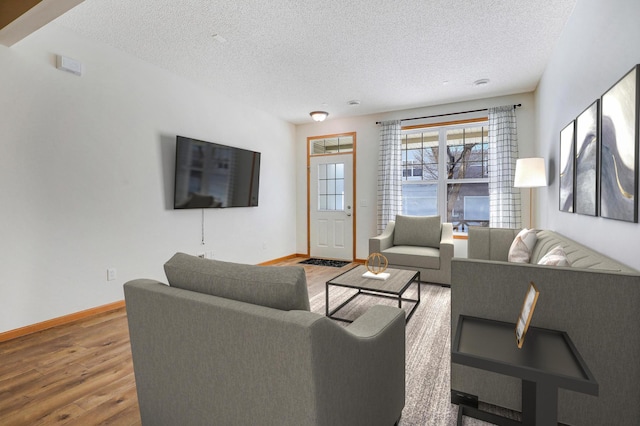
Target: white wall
<point x="367" y="134"/>
<point x="86" y="176"/>
<point x="597" y="47"/>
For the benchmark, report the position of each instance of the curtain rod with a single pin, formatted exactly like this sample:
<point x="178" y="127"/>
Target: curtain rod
<point x="451" y="113"/>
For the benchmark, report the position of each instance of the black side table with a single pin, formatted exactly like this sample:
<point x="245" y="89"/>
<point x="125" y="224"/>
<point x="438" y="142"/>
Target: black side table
<point x="547" y="361"/>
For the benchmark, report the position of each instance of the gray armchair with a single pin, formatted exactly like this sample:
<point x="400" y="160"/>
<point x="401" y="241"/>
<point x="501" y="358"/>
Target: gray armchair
<point x="230" y="344"/>
<point x="419" y="243"/>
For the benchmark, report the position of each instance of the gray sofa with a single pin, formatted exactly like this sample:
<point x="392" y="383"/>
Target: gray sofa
<point x="595" y="301"/>
<point x="419" y="243"/>
<point x="230" y="344"/>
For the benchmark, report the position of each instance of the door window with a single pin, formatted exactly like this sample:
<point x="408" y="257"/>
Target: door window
<point x="331" y="187"/>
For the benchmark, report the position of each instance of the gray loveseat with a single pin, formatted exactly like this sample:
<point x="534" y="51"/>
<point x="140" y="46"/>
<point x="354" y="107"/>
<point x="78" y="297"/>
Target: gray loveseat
<point x="419" y="243"/>
<point x="230" y="344"/>
<point x="596" y="301"/>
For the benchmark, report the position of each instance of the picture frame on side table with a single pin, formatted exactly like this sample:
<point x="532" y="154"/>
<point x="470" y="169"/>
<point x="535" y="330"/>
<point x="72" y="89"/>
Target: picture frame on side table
<point x="567" y="162"/>
<point x="586" y="163"/>
<point x="528" y="306"/>
<point x="619" y="149"/>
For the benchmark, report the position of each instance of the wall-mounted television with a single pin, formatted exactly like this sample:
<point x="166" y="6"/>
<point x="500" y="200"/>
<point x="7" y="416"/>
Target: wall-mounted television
<point x="210" y="175"/>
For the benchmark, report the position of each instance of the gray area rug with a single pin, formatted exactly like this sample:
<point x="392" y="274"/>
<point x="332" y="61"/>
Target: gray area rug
<point x="428" y="352"/>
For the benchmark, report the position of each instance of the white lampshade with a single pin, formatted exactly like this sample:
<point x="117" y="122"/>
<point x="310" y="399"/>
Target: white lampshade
<point x="319" y="115"/>
<point x="530" y="173"/>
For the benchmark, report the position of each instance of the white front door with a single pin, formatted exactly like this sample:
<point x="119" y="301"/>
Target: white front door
<point x="331" y="211"/>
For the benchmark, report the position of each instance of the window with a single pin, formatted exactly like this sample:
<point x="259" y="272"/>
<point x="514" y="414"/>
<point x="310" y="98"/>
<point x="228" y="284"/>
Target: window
<point x="445" y="172"/>
<point x="332" y="145"/>
<point x="331" y="187"/>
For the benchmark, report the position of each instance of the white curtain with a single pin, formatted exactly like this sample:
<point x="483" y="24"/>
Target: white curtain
<point x="504" y="199"/>
<point x="389" y="173"/>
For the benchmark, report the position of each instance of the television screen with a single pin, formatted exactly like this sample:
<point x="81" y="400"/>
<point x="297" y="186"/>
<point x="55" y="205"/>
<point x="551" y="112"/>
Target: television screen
<point x="210" y="175"/>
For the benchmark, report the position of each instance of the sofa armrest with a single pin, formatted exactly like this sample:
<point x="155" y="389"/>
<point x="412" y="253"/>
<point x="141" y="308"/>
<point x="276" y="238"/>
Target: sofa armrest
<point x="446" y="242"/>
<point x="382" y="241"/>
<point x="375" y="321"/>
<point x="366" y="358"/>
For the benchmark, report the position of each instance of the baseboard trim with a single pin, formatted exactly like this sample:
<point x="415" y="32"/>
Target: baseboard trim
<point x="300" y="256"/>
<point x="280" y="259"/>
<point x="66" y="319"/>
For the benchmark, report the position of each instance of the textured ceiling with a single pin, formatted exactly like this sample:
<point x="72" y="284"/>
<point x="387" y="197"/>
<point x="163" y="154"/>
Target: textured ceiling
<point x="290" y="57"/>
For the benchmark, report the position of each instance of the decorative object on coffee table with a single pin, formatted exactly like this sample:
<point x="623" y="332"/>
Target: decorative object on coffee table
<point x="376" y="264"/>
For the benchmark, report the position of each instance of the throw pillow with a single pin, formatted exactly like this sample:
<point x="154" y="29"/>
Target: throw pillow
<point x="421" y="231"/>
<point x="279" y="287"/>
<point x="522" y="246"/>
<point x="555" y="257"/>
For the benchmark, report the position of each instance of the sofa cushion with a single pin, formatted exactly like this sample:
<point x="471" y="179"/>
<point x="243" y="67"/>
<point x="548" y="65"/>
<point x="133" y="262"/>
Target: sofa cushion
<point x="490" y="243"/>
<point x="413" y="257"/>
<point x="579" y="256"/>
<point x="555" y="257"/>
<point x="279" y="287"/>
<point x="420" y="231"/>
<point x="522" y="246"/>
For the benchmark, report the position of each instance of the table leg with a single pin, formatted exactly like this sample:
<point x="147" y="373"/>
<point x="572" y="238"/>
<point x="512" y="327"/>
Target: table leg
<point x="539" y="403"/>
<point x="326" y="300"/>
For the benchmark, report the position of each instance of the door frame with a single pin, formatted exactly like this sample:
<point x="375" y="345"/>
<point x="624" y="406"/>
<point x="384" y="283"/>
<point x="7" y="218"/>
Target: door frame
<point x="353" y="170"/>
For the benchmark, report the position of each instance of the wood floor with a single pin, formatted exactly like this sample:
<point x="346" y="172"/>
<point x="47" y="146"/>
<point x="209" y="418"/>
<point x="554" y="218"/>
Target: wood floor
<point x="82" y="373"/>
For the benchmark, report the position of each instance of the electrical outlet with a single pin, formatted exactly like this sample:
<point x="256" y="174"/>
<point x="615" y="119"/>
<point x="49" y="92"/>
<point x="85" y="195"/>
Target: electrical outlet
<point x="112" y="274"/>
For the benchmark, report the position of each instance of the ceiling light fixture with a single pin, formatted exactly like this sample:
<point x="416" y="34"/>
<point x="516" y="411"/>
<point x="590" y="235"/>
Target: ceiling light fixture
<point x="354" y="102"/>
<point x="319" y="115"/>
<point x="481" y="82"/>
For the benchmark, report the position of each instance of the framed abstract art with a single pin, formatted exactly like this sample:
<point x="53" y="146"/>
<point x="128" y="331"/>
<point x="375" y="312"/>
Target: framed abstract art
<point x="619" y="150"/>
<point x="567" y="161"/>
<point x="586" y="161"/>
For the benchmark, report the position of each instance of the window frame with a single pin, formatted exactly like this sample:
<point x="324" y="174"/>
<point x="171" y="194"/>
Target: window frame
<point x="443" y="181"/>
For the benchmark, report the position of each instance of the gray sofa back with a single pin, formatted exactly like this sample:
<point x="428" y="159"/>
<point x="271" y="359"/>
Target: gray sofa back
<point x="493" y="244"/>
<point x="278" y="287"/>
<point x="579" y="255"/>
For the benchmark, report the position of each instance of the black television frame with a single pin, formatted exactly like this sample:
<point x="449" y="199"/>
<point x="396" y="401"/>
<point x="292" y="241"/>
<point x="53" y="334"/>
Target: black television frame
<point x="213" y="175"/>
